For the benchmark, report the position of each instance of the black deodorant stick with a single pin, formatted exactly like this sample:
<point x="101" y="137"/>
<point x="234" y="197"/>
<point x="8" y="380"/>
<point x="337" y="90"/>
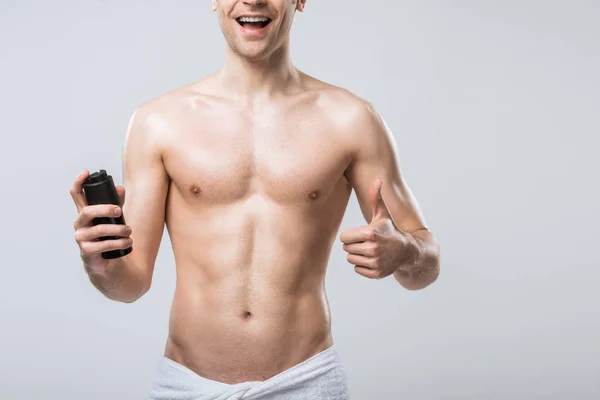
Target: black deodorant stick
<point x="99" y="188"/>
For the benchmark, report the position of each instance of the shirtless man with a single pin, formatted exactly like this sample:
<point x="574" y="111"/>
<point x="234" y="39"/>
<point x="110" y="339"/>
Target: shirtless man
<point x="251" y="169"/>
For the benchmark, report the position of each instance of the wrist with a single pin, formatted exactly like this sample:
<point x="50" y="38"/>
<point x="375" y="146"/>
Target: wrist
<point x="104" y="276"/>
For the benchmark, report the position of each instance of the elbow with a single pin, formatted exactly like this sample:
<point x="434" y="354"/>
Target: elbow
<point x="426" y="268"/>
<point x="423" y="281"/>
<point x="425" y="275"/>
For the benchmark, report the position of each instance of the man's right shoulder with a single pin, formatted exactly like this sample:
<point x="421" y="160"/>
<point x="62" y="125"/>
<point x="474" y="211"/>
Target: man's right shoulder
<point x="156" y="114"/>
<point x="168" y="102"/>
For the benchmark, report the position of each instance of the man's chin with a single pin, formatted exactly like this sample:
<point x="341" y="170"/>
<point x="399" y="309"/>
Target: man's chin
<point x="252" y="53"/>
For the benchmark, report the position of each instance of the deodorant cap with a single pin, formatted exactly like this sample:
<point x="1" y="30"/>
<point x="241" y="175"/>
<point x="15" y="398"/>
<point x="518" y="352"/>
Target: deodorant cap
<point x="97" y="177"/>
<point x="99" y="188"/>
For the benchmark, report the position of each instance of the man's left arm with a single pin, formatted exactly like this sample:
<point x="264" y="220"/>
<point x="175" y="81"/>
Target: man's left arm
<point x="396" y="241"/>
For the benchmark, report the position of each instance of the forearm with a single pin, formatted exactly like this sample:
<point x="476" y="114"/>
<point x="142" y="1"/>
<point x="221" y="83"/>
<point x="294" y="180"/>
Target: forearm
<point x="121" y="281"/>
<point x="423" y="269"/>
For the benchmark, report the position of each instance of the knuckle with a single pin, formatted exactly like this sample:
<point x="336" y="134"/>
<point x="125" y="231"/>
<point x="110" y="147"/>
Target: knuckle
<point x="86" y="212"/>
<point x="86" y="248"/>
<point x="377" y="273"/>
<point x="373" y="248"/>
<point x="101" y="230"/>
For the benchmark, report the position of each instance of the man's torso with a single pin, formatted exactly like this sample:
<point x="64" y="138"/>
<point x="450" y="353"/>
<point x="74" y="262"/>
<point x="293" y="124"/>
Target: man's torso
<point x="256" y="197"/>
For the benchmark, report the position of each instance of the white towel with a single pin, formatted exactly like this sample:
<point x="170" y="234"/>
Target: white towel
<point x="320" y="377"/>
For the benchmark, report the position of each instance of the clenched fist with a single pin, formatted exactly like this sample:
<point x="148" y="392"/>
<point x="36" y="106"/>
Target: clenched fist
<point x="380" y="248"/>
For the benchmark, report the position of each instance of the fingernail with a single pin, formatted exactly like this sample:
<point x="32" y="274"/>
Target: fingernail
<point x="128" y="230"/>
<point x="117" y="211"/>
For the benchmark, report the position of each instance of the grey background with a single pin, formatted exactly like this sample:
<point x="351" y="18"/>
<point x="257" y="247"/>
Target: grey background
<point x="495" y="107"/>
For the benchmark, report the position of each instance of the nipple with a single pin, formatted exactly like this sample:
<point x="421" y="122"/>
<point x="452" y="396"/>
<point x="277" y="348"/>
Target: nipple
<point x="195" y="189"/>
<point x="314" y="195"/>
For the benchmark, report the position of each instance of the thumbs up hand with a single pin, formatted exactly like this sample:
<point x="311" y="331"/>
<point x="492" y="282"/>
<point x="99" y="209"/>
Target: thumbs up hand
<point x="380" y="248"/>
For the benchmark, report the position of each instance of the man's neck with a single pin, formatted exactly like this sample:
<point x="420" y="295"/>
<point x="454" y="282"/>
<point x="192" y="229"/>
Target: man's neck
<point x="259" y="78"/>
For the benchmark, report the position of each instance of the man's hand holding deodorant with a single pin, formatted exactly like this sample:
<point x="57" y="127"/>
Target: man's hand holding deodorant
<point x="100" y="228"/>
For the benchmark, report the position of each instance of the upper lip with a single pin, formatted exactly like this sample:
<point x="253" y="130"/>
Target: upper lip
<point x="253" y="15"/>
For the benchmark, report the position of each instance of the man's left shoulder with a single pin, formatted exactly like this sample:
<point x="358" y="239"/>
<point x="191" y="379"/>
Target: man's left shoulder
<point x="346" y="109"/>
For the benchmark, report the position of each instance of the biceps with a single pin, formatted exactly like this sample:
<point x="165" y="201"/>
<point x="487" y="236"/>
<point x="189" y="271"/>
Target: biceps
<point x="379" y="159"/>
<point x="146" y="185"/>
<point x="144" y="211"/>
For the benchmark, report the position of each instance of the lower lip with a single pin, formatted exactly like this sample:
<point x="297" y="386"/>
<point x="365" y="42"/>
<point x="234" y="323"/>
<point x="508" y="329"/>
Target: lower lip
<point x="252" y="31"/>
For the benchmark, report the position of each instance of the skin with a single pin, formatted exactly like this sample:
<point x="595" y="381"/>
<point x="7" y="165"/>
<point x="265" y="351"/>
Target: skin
<point x="251" y="170"/>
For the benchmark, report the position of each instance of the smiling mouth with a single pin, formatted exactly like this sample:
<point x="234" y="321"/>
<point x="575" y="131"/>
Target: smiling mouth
<point x="253" y="22"/>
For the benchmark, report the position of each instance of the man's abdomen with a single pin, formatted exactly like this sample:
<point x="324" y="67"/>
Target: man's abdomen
<point x="233" y="333"/>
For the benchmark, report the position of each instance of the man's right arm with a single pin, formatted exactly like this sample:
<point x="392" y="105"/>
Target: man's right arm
<point x="146" y="183"/>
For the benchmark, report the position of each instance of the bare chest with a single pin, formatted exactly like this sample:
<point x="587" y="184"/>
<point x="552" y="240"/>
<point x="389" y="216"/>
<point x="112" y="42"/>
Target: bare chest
<point x="284" y="158"/>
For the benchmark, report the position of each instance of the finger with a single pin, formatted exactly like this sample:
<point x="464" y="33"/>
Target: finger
<point x="89" y="249"/>
<point x="121" y="193"/>
<point x="88" y="213"/>
<point x="92" y="233"/>
<point x="367" y="262"/>
<point x="367" y="272"/>
<point x="77" y="190"/>
<point x="361" y="234"/>
<point x="380" y="210"/>
<point x="366" y="249"/>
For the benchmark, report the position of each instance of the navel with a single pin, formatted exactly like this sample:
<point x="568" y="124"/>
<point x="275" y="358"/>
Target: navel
<point x="195" y="189"/>
<point x="314" y="195"/>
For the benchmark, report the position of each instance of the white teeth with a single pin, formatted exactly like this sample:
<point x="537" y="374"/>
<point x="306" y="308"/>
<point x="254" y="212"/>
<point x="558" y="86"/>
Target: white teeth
<point x="253" y="19"/>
